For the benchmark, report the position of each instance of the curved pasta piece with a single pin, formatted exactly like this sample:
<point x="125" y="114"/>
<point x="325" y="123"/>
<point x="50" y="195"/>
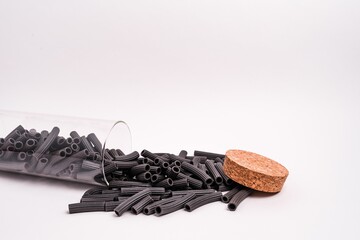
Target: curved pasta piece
<point x="174" y="206"/>
<point x="131" y="201"/>
<point x="86" y="207"/>
<point x="214" y="172"/>
<point x="227" y="197"/>
<point x="238" y="198"/>
<point x="138" y="208"/>
<point x="197" y="172"/>
<point x="202" y="200"/>
<point x="220" y="169"/>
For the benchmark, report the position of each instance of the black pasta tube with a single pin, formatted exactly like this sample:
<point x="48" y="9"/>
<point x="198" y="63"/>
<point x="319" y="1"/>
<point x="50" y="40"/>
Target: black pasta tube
<point x="220" y="169"/>
<point x="164" y="165"/>
<point x="120" y="152"/>
<point x="114" y="190"/>
<point x="143" y="177"/>
<point x="203" y="167"/>
<point x="202" y="200"/>
<point x="167" y="194"/>
<point x="95" y="141"/>
<point x="220" y="160"/>
<point x="146" y="161"/>
<point x="111" y="205"/>
<point x="175" y="163"/>
<point x="182" y="183"/>
<point x="139" y="169"/>
<point x="209" y="155"/>
<point x="9" y="152"/>
<point x="96" y="199"/>
<point x="101" y="194"/>
<point x="21" y="156"/>
<point x="34" y="134"/>
<point x="59" y="143"/>
<point x="156" y="178"/>
<point x="30" y="144"/>
<point x="214" y="172"/>
<point x="24" y="136"/>
<point x="87" y="145"/>
<point x="158" y="161"/>
<point x="198" y="159"/>
<point x="133" y="190"/>
<point x="177" y="158"/>
<point x="166" y="183"/>
<point x="224" y="188"/>
<point x="47" y="143"/>
<point x="161" y="154"/>
<point x="107" y="155"/>
<point x="74" y="134"/>
<point x="138" y="208"/>
<point x="172" y="172"/>
<point x="120" y="175"/>
<point x="8" y="142"/>
<point x="197" y="172"/>
<point x="238" y="198"/>
<point x="121" y="184"/>
<point x="86" y="207"/>
<point x="129" y="157"/>
<point x="74" y="147"/>
<point x="150" y="209"/>
<point x="183" y="154"/>
<point x="18" y="145"/>
<point x="74" y="169"/>
<point x="142" y="160"/>
<point x="41" y="164"/>
<point x="107" y="170"/>
<point x="90" y="165"/>
<point x="55" y="158"/>
<point x="131" y="201"/>
<point x="114" y="154"/>
<point x="227" y="197"/>
<point x="148" y="154"/>
<point x="174" y="206"/>
<point x="14" y="133"/>
<point x="77" y="141"/>
<point x="193" y="183"/>
<point x="197" y="192"/>
<point x="156" y="197"/>
<point x="155" y="170"/>
<point x="125" y="164"/>
<point x="79" y="156"/>
<point x="95" y="190"/>
<point x="43" y="135"/>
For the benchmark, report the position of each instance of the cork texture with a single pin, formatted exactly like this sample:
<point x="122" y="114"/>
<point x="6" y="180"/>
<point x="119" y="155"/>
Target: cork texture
<point x="255" y="171"/>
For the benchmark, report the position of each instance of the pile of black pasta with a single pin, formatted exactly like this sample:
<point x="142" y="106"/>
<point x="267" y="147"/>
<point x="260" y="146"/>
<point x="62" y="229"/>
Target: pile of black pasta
<point x="47" y="153"/>
<point x="160" y="183"/>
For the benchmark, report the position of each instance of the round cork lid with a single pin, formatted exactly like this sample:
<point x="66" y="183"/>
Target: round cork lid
<point x="255" y="171"/>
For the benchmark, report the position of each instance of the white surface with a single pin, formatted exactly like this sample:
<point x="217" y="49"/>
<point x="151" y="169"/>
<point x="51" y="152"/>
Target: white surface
<point x="280" y="78"/>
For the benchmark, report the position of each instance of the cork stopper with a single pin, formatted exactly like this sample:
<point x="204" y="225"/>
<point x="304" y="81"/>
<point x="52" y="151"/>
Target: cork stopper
<point x="255" y="171"/>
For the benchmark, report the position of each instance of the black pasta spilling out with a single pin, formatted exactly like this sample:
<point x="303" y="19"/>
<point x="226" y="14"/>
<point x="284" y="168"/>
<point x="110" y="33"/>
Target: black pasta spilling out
<point x="161" y="183"/>
<point x="153" y="183"/>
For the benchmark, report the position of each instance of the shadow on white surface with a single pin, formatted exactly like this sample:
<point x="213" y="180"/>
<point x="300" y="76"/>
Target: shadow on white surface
<point x="257" y="194"/>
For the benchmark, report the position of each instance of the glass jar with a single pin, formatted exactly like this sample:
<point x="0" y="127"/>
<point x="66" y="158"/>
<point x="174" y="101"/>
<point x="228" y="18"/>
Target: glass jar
<point x="66" y="148"/>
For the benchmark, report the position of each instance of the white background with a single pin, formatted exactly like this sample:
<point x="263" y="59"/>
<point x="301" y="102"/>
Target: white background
<point x="280" y="78"/>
